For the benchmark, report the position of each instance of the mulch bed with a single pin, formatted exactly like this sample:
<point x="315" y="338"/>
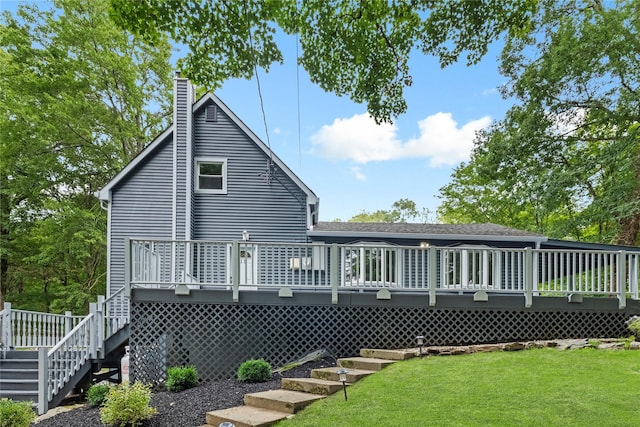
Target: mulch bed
<point x="188" y="408"/>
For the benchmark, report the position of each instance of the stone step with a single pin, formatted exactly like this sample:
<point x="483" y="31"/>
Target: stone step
<point x="245" y="416"/>
<point x="373" y="353"/>
<point x="281" y="400"/>
<point x="331" y="374"/>
<point x="366" y="363"/>
<point x="311" y="385"/>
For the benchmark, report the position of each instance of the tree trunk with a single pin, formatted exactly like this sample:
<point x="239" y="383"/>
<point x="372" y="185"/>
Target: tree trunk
<point x="630" y="227"/>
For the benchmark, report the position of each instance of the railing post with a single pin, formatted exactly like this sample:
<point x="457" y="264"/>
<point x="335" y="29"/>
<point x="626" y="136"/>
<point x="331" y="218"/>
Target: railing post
<point x="235" y="269"/>
<point x="43" y="380"/>
<point x="335" y="268"/>
<point x="127" y="267"/>
<point x="633" y="276"/>
<point x="433" y="275"/>
<point x="68" y="319"/>
<point x="7" y="327"/>
<point x="528" y="277"/>
<point x="92" y="330"/>
<point x="100" y="335"/>
<point x="621" y="279"/>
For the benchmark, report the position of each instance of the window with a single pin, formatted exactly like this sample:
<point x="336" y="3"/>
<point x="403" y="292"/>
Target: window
<point x="211" y="175"/>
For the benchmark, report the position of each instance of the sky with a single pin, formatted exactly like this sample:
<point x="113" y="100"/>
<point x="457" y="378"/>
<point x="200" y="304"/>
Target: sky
<point x="351" y="163"/>
<point x="337" y="150"/>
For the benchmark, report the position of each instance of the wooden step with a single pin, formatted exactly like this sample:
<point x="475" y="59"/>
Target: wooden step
<point x="366" y="363"/>
<point x="373" y="353"/>
<point x="245" y="416"/>
<point x="281" y="400"/>
<point x="331" y="374"/>
<point x="311" y="385"/>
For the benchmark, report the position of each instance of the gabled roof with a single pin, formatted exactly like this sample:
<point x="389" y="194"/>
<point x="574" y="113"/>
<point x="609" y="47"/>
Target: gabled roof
<point x="424" y="231"/>
<point x="205" y="100"/>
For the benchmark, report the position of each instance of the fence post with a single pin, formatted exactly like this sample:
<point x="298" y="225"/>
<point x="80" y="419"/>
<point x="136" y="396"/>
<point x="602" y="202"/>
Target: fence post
<point x="127" y="267"/>
<point x="528" y="277"/>
<point x="622" y="279"/>
<point x="235" y="270"/>
<point x="43" y="380"/>
<point x="335" y="268"/>
<point x="7" y="327"/>
<point x="433" y="275"/>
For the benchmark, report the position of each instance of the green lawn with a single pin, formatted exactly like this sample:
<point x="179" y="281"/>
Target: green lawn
<point x="540" y="388"/>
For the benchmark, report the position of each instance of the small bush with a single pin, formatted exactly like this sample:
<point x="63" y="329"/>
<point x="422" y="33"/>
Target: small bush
<point x="181" y="378"/>
<point x="254" y="371"/>
<point x="15" y="414"/>
<point x="634" y="326"/>
<point x="127" y="405"/>
<point x="97" y="393"/>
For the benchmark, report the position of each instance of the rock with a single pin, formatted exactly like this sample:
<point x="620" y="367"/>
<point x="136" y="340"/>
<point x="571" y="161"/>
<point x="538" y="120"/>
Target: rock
<point x="513" y="346"/>
<point x="572" y="344"/>
<point x="611" y="346"/>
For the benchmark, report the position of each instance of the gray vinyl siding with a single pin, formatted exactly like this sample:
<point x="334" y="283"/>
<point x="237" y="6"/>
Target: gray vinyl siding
<point x="141" y="207"/>
<point x="274" y="211"/>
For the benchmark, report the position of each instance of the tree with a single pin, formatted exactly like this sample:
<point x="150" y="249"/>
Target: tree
<point x="360" y="49"/>
<point x="403" y="210"/>
<point x="79" y="98"/>
<point x="567" y="157"/>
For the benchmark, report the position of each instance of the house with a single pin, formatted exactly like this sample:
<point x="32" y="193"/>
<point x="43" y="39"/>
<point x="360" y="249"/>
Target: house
<point x="219" y="247"/>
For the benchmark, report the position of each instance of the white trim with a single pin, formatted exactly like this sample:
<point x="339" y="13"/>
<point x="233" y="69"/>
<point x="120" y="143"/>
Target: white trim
<point x="197" y="161"/>
<point x="109" y="248"/>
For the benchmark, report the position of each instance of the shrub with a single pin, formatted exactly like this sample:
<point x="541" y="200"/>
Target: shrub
<point x="634" y="326"/>
<point x="97" y="393"/>
<point x="181" y="378"/>
<point x="127" y="405"/>
<point x="254" y="371"/>
<point x="15" y="414"/>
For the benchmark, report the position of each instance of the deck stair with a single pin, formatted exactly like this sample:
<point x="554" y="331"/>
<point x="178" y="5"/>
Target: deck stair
<point x="266" y="408"/>
<point x="44" y="356"/>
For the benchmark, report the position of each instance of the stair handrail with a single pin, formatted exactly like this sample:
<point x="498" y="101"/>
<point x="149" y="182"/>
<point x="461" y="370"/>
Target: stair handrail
<point x="84" y="342"/>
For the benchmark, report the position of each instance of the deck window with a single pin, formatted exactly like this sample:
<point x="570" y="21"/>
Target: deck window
<point x="212" y="176"/>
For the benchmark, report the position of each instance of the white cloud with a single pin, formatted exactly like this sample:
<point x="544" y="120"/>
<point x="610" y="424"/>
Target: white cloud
<point x="361" y="140"/>
<point x="276" y="131"/>
<point x="357" y="173"/>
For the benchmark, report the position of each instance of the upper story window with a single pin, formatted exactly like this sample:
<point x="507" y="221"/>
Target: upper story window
<point x="211" y="175"/>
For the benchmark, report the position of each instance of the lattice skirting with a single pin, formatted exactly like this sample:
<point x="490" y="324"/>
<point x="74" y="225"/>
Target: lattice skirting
<point x="218" y="337"/>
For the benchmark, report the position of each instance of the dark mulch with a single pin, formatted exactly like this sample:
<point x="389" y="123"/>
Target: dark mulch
<point x="188" y="408"/>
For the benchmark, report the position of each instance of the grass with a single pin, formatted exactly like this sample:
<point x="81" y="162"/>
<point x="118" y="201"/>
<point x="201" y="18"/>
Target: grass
<point x="542" y="387"/>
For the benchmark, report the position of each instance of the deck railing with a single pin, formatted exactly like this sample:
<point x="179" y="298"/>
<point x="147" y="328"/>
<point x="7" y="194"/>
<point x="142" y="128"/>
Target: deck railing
<point x="31" y="329"/>
<point x="238" y="265"/>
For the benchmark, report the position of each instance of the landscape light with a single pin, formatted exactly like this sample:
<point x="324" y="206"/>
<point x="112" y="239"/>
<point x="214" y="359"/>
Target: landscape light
<point x="420" y="339"/>
<point x="342" y="375"/>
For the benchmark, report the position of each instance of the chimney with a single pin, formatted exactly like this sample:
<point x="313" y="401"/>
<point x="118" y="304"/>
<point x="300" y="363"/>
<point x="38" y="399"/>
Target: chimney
<point x="183" y="99"/>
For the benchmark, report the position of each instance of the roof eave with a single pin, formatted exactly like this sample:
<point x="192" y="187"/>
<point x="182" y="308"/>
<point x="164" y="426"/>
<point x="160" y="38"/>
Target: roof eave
<point x="423" y="236"/>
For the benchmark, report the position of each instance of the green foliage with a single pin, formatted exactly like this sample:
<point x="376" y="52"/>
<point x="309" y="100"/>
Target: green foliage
<point x="634" y="327"/>
<point x="15" y="414"/>
<point x="127" y="405"/>
<point x="181" y="378"/>
<point x="254" y="371"/>
<point x="79" y="98"/>
<point x="565" y="160"/>
<point x="351" y="48"/>
<point x="97" y="394"/>
<point x="403" y="210"/>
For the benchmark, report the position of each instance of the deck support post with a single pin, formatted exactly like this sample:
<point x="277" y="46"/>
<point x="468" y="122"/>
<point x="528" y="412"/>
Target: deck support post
<point x="621" y="279"/>
<point x="334" y="273"/>
<point x="235" y="266"/>
<point x="93" y="339"/>
<point x="433" y="275"/>
<point x="528" y="277"/>
<point x="43" y="380"/>
<point x="127" y="267"/>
